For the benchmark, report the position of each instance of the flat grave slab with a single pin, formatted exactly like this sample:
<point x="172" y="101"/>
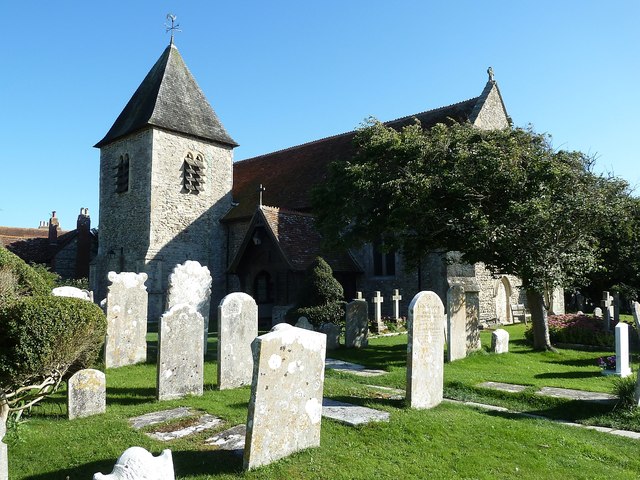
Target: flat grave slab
<point x="577" y="395"/>
<point x="504" y="387"/>
<point x="352" y="415"/>
<point x="205" y="422"/>
<point x="154" y="418"/>
<point x="388" y="392"/>
<point x="354" y="368"/>
<point x="231" y="439"/>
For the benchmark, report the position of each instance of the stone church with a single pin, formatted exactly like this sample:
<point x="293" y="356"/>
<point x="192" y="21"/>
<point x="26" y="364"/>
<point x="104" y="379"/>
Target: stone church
<point x="170" y="191"/>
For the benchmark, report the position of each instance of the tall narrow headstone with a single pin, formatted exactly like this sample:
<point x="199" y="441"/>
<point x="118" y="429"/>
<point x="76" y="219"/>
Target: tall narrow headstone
<point x="622" y="350"/>
<point x="425" y="348"/>
<point x="357" y="324"/>
<point x="500" y="341"/>
<point x="190" y="283"/>
<point x="136" y="463"/>
<point x="86" y="393"/>
<point x="396" y="297"/>
<point x="180" y="357"/>
<point x="285" y="407"/>
<point x="126" y="309"/>
<point x="616" y="307"/>
<point x="237" y="327"/>
<point x="4" y="459"/>
<point x="456" y="324"/>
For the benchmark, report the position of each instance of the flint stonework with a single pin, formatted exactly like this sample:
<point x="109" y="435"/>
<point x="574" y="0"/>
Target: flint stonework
<point x="190" y="283"/>
<point x="456" y="324"/>
<point x="86" y="394"/>
<point x="500" y="341"/>
<point x="180" y="357"/>
<point x="357" y="324"/>
<point x="285" y="408"/>
<point x="425" y="348"/>
<point x="126" y="310"/>
<point x="237" y="328"/>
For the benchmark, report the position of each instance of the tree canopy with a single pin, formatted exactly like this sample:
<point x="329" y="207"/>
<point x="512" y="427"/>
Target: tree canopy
<point x="502" y="197"/>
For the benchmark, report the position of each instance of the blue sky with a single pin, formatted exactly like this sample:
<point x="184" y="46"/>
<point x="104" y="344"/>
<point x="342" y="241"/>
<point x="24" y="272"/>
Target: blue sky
<point x="281" y="73"/>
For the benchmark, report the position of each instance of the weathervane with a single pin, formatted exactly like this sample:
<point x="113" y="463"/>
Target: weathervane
<point x="174" y="26"/>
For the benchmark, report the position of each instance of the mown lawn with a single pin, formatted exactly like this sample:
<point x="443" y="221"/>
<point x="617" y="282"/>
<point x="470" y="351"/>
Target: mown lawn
<point x="450" y="441"/>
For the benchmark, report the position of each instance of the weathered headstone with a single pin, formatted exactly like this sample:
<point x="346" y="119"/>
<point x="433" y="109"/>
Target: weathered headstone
<point x="500" y="341"/>
<point x="332" y="331"/>
<point x="597" y="312"/>
<point x="4" y="451"/>
<point x="622" y="350"/>
<point x="190" y="284"/>
<point x="237" y="327"/>
<point x="635" y="309"/>
<point x="136" y="463"/>
<point x="456" y="324"/>
<point x="357" y="324"/>
<point x="72" y="292"/>
<point x="607" y="309"/>
<point x="126" y="310"/>
<point x="285" y="407"/>
<point x="303" y="322"/>
<point x="425" y="346"/>
<point x="378" y="324"/>
<point x="86" y="394"/>
<point x="279" y="313"/>
<point x="180" y="357"/>
<point x="396" y="297"/>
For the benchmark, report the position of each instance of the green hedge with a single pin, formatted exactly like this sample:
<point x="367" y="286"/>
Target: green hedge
<point x="29" y="282"/>
<point x="40" y="335"/>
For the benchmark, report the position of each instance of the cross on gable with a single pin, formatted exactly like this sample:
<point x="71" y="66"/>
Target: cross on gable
<point x="378" y="298"/>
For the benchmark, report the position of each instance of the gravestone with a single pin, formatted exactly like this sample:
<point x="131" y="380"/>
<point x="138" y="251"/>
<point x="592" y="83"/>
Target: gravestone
<point x="616" y="307"/>
<point x="378" y="324"/>
<point x="180" y="357"/>
<point x="190" y="284"/>
<point x="359" y="296"/>
<point x="425" y="348"/>
<point x="303" y="322"/>
<point x="607" y="309"/>
<point x="72" y="292"/>
<point x="635" y="309"/>
<point x="285" y="407"/>
<point x="136" y="463"/>
<point x="86" y="394"/>
<point x="500" y="341"/>
<point x="4" y="452"/>
<point x="396" y="297"/>
<point x="456" y="324"/>
<point x="126" y="311"/>
<point x="597" y="312"/>
<point x="622" y="350"/>
<point x="357" y="324"/>
<point x="332" y="331"/>
<point x="279" y="313"/>
<point x="237" y="327"/>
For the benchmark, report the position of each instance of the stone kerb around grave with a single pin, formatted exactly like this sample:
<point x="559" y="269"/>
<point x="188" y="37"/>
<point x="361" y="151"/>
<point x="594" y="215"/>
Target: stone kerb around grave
<point x="285" y="407"/>
<point x="425" y="351"/>
<point x="237" y="328"/>
<point x="126" y="311"/>
<point x="190" y="283"/>
<point x="86" y="394"/>
<point x="180" y="368"/>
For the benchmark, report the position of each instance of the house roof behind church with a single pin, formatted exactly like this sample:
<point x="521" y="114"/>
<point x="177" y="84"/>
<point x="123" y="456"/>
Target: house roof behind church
<point x="289" y="175"/>
<point x="169" y="98"/>
<point x="32" y="244"/>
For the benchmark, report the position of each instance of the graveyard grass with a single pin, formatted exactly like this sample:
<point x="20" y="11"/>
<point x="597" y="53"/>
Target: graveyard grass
<point x="449" y="441"/>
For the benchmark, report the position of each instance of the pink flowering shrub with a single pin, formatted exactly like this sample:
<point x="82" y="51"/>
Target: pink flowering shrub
<point x="578" y="329"/>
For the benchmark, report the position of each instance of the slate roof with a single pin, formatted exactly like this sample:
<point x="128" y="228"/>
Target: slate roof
<point x="32" y="244"/>
<point x="289" y="175"/>
<point x="169" y="98"/>
<point x="298" y="239"/>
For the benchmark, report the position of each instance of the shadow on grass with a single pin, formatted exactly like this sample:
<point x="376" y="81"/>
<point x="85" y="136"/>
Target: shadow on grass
<point x="572" y="410"/>
<point x="185" y="463"/>
<point x="577" y="362"/>
<point x="130" y="396"/>
<point x="568" y="375"/>
<point x="367" y="401"/>
<point x="374" y="356"/>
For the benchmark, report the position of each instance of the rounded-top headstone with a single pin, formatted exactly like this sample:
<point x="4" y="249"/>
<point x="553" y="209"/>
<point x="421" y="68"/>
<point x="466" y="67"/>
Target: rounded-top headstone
<point x="500" y="341"/>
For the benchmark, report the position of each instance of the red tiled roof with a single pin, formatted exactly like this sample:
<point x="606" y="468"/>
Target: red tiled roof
<point x="32" y="244"/>
<point x="289" y="175"/>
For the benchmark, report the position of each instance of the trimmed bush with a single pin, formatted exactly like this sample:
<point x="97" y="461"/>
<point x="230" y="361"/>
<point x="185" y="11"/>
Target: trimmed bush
<point x="28" y="281"/>
<point x="43" y="337"/>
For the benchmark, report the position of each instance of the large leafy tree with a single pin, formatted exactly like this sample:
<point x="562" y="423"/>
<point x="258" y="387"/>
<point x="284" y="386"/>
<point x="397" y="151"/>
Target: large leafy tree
<point x="502" y="197"/>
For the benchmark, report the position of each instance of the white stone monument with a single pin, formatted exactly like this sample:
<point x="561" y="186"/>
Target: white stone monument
<point x="396" y="297"/>
<point x="190" y="283"/>
<point x="237" y="327"/>
<point x="622" y="350"/>
<point x="72" y="292"/>
<point x="425" y="351"/>
<point x="126" y="311"/>
<point x="180" y="365"/>
<point x="136" y="463"/>
<point x="86" y="394"/>
<point x="285" y="407"/>
<point x="607" y="309"/>
<point x="500" y="341"/>
<point x="379" y="325"/>
<point x="456" y="324"/>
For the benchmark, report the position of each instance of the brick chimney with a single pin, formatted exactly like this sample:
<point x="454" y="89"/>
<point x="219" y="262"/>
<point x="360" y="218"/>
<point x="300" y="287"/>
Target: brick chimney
<point x="54" y="225"/>
<point x="83" y="252"/>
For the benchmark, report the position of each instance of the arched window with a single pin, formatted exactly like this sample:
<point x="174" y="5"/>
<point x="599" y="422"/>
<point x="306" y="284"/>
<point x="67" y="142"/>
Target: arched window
<point x="262" y="288"/>
<point x="122" y="174"/>
<point x="193" y="174"/>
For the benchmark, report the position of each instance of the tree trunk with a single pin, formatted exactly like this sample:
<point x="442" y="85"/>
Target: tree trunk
<point x="540" y="325"/>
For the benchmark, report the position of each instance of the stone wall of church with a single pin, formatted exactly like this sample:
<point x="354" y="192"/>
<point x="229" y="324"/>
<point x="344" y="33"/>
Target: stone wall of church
<point x="492" y="115"/>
